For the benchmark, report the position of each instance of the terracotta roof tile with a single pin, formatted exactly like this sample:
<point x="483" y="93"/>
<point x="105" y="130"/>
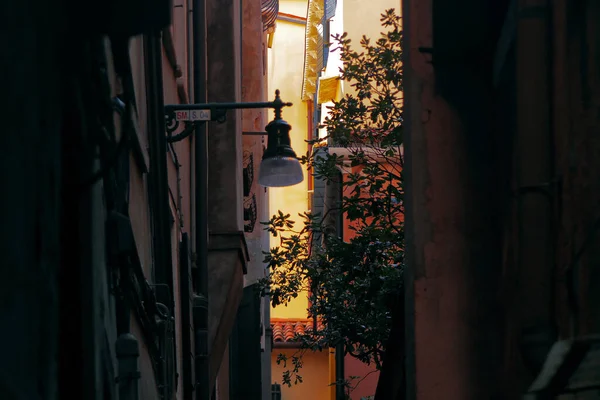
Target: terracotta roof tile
<point x="285" y="330"/>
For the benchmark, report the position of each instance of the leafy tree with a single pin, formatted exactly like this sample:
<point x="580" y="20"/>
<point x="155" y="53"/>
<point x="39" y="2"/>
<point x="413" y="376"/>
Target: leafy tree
<point x="351" y="282"/>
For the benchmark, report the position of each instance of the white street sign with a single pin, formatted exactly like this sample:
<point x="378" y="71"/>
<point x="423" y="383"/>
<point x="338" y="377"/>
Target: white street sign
<point x="192" y="115"/>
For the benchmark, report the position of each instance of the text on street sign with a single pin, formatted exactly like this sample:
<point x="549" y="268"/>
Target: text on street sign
<point x="192" y="115"/>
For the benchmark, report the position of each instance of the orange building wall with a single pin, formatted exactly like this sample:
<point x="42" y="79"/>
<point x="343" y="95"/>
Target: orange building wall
<point x="349" y="233"/>
<point x="352" y="366"/>
<point x="315" y="375"/>
<point x="368" y="374"/>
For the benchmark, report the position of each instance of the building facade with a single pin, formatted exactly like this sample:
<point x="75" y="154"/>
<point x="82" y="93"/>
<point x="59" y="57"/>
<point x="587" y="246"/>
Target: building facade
<point x="501" y="115"/>
<point x="125" y="278"/>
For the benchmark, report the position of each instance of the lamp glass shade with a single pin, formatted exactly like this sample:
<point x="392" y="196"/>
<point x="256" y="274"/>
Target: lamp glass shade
<point x="280" y="171"/>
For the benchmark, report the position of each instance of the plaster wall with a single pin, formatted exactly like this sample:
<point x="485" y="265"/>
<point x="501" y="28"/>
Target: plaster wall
<point x="286" y="60"/>
<point x="315" y="375"/>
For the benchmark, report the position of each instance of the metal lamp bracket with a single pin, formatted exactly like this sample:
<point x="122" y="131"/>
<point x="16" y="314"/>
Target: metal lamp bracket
<point x="201" y="113"/>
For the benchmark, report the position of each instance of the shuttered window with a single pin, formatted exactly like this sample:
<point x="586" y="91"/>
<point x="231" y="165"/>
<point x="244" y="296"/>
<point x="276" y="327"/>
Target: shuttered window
<point x="320" y="48"/>
<point x="330" y="9"/>
<point x="325" y="32"/>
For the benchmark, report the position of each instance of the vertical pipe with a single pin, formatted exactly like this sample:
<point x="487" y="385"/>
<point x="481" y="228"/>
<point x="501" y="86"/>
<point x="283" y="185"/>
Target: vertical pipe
<point x="201" y="215"/>
<point x="534" y="181"/>
<point x="128" y="353"/>
<point x="392" y="376"/>
<point x="410" y="14"/>
<point x="191" y="142"/>
<point x="158" y="180"/>
<point x="340" y="373"/>
<point x="186" y="293"/>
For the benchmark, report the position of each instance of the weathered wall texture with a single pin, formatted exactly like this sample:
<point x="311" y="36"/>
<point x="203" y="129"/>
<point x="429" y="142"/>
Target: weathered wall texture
<point x="453" y="246"/>
<point x="502" y="190"/>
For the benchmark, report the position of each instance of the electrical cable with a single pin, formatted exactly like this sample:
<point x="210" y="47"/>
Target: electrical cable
<point x="125" y="106"/>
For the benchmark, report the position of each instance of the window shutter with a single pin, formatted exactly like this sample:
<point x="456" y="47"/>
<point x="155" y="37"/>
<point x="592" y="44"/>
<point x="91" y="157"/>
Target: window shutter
<point x="330" y="9"/>
<point x="275" y="391"/>
<point x="318" y="200"/>
<point x="328" y="14"/>
<point x="320" y="49"/>
<point x="326" y="40"/>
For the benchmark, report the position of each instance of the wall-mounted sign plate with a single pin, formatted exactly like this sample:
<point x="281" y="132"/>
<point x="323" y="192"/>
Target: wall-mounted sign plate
<point x="192" y="115"/>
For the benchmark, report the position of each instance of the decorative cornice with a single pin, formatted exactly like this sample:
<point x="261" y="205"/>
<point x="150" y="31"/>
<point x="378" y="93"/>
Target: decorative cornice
<point x="314" y="15"/>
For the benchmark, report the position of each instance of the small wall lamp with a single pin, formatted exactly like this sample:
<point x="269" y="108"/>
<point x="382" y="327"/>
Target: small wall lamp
<point x="279" y="167"/>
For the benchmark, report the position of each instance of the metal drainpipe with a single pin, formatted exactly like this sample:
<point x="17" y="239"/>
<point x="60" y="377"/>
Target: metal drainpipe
<point x="201" y="215"/>
<point x="340" y="373"/>
<point x="128" y="353"/>
<point x="535" y="181"/>
<point x="159" y="188"/>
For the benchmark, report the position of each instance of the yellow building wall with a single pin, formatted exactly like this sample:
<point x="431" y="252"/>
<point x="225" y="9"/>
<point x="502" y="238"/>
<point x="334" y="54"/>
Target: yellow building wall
<point x="286" y="62"/>
<point x="293" y="7"/>
<point x="362" y="17"/>
<point x="315" y="373"/>
<point x="286" y="65"/>
<point x="358" y="18"/>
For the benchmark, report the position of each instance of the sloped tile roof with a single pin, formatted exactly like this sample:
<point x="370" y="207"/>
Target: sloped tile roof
<point x="285" y="330"/>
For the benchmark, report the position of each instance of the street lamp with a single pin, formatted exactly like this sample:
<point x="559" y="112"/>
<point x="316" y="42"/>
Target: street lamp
<point x="279" y="167"/>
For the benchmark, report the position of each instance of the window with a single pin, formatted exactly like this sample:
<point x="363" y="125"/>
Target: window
<point x="275" y="391"/>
